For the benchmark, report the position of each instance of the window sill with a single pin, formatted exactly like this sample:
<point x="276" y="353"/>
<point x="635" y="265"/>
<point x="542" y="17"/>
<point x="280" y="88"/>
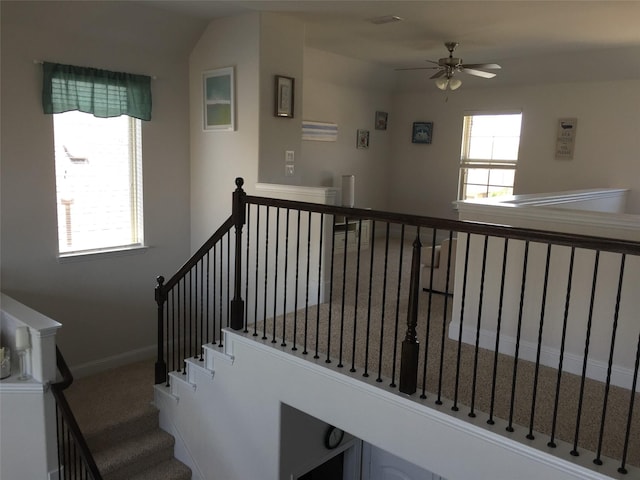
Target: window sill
<point x="88" y="255"/>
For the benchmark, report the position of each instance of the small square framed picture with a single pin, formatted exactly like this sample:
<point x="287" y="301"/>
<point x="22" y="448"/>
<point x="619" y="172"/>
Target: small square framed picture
<point x="422" y="132"/>
<point x="362" y="139"/>
<point x="381" y="120"/>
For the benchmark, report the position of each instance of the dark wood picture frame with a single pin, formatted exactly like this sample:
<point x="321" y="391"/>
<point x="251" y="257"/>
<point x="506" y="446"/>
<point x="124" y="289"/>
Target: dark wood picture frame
<point x="284" y="96"/>
<point x="422" y="132"/>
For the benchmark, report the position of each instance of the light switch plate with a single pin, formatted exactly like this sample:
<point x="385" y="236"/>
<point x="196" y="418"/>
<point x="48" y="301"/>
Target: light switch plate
<point x="289" y="170"/>
<point x="289" y="156"/>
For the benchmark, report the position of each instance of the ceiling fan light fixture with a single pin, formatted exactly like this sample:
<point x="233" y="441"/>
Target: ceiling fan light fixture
<point x="442" y="83"/>
<point x="455" y="83"/>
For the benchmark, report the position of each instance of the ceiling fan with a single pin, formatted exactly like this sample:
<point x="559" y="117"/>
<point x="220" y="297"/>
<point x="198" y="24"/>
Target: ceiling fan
<point x="448" y="66"/>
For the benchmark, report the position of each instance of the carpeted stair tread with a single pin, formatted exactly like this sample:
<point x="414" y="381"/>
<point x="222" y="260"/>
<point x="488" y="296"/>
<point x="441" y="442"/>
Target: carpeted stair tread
<point x="135" y="455"/>
<point x="107" y="431"/>
<point x="169" y="470"/>
<point x="112" y="397"/>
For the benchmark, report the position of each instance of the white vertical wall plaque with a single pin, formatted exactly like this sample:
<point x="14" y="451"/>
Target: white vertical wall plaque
<point x="565" y="138"/>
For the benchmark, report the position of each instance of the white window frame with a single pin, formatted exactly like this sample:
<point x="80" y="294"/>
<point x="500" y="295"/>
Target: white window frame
<point x="467" y="163"/>
<point x="136" y="204"/>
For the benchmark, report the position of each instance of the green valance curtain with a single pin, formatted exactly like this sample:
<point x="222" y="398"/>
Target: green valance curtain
<point x="99" y="92"/>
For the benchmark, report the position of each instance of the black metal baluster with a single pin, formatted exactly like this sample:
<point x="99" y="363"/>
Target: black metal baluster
<point x="518" y="334"/>
<point x="534" y="392"/>
<point x="444" y="321"/>
<point x="246" y="273"/>
<point x="344" y="286"/>
<point x="295" y="300"/>
<point x="207" y="322"/>
<point x="266" y="275"/>
<point x="384" y="302"/>
<point x="255" y="302"/>
<point x="355" y="303"/>
<point x="333" y="252"/>
<point x="190" y="327"/>
<point x="395" y="332"/>
<point x="367" y="337"/>
<point x="614" y="329"/>
<point x="472" y="413"/>
<point x="275" y="277"/>
<point x="462" y="305"/>
<point x="306" y="298"/>
<point x="220" y="298"/>
<point x="181" y="328"/>
<point x="632" y="394"/>
<point x="596" y="264"/>
<point x="174" y="333"/>
<point x="216" y="318"/>
<point x="428" y="329"/>
<point x="167" y="306"/>
<point x="552" y="442"/>
<point x="201" y="342"/>
<point x="316" y="356"/>
<point x="228" y="303"/>
<point x="286" y="278"/>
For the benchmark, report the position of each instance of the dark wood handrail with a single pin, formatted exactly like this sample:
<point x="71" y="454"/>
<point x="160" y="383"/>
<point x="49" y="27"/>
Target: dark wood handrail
<point x="461" y="226"/>
<point x="196" y="257"/>
<point x="63" y="406"/>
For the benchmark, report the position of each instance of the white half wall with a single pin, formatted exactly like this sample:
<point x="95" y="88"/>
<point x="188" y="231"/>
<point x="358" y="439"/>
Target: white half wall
<point x="231" y="424"/>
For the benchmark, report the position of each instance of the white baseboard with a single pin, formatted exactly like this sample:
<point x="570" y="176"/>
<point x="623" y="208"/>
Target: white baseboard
<point x="572" y="363"/>
<point x="97" y="366"/>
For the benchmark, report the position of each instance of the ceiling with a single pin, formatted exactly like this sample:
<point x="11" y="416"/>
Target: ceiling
<point x="532" y="40"/>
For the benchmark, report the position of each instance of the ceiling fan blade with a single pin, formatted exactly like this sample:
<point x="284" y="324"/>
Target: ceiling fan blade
<point x="490" y="66"/>
<point x="478" y="73"/>
<point x="437" y="74"/>
<point x="416" y="68"/>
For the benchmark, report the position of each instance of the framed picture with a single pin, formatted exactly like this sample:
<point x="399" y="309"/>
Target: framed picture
<point x="362" y="139"/>
<point x="422" y="132"/>
<point x="284" y="96"/>
<point x="381" y="120"/>
<point x="219" y="99"/>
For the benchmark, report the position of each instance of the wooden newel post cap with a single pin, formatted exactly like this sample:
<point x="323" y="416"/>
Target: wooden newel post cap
<point x="239" y="182"/>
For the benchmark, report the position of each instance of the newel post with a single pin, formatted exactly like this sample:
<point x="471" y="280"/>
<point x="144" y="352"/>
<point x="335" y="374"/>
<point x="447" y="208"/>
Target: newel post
<point x="410" y="345"/>
<point x="161" y="298"/>
<point x="238" y="214"/>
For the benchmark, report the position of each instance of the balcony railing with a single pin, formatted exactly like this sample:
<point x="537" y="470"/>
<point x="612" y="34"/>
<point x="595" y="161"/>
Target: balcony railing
<point x="534" y="331"/>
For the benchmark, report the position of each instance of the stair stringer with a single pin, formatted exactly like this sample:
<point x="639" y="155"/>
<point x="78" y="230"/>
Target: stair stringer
<point x="196" y="371"/>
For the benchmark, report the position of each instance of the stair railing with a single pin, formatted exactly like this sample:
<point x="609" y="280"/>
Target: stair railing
<point x="75" y="460"/>
<point x="303" y="260"/>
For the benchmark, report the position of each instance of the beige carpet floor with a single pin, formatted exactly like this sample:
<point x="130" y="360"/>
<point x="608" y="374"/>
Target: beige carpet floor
<point x="386" y="320"/>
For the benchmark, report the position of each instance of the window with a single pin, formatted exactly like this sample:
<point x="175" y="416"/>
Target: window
<point x="98" y="182"/>
<point x="489" y="155"/>
<point x="98" y="155"/>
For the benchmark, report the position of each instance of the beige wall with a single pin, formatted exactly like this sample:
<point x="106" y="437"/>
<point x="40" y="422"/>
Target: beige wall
<point x="348" y="92"/>
<point x="105" y="305"/>
<point x="281" y="53"/>
<point x="218" y="157"/>
<point x="425" y="178"/>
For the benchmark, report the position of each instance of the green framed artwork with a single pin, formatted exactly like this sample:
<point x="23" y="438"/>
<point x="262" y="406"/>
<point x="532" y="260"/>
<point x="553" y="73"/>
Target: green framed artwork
<point x="219" y="99"/>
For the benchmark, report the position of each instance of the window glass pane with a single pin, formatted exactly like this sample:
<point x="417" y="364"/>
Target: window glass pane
<point x="489" y="140"/>
<point x="501" y="176"/>
<point x="98" y="181"/>
<point x="474" y="191"/>
<point x="477" y="175"/>
<point x="499" y="191"/>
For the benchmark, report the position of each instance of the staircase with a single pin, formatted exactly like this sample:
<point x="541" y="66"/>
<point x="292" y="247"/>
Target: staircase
<point x="115" y="413"/>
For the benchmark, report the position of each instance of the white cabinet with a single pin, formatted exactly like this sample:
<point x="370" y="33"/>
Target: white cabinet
<point x="349" y="231"/>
